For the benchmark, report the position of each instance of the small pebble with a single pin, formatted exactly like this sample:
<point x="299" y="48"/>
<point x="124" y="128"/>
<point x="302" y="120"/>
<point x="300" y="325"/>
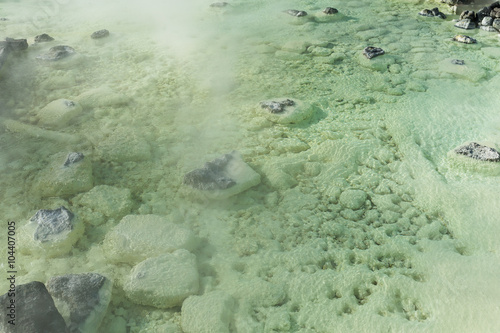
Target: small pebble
<point x="371" y="52"/>
<point x="330" y="10"/>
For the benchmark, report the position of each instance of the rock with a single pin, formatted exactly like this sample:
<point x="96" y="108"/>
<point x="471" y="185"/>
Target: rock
<point x="57" y="114"/>
<point x="43" y="38"/>
<point x="56" y="53"/>
<point x="11" y="45"/>
<point x="223" y="177"/>
<point x="294" y="12"/>
<point x="464" y="39"/>
<point x="35" y="311"/>
<point x="164" y="281"/>
<point x="286" y="110"/>
<point x="330" y="11"/>
<point x="371" y="52"/>
<point x="457" y="62"/>
<point x="211" y="312"/>
<point x="468" y="15"/>
<point x="434" y="12"/>
<point x="353" y="199"/>
<point x="104" y="202"/>
<point x="3" y="19"/>
<point x="466" y="24"/>
<point x="219" y="4"/>
<point x="486" y="21"/>
<point x="479" y="152"/>
<point x="99" y="34"/>
<point x="482" y="13"/>
<point x="66" y="175"/>
<point x="488" y="28"/>
<point x="496" y="23"/>
<point x="51" y="232"/>
<point x="138" y="237"/>
<point x="85" y="297"/>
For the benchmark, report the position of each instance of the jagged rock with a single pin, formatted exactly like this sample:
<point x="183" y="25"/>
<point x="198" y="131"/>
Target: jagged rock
<point x="51" y="232"/>
<point x="85" y="297"/>
<point x="43" y="38"/>
<point x="468" y="15"/>
<point x="466" y="24"/>
<point x="330" y="11"/>
<point x="219" y="4"/>
<point x="66" y="175"/>
<point x="457" y="62"/>
<point x="57" y="114"/>
<point x="211" y="312"/>
<point x="138" y="237"/>
<point x="371" y="52"/>
<point x="482" y="13"/>
<point x="34" y="311"/>
<point x="496" y="23"/>
<point x="464" y="39"/>
<point x="164" y="281"/>
<point x="487" y="20"/>
<point x="286" y="110"/>
<point x="479" y="152"/>
<point x="294" y="12"/>
<point x="100" y="34"/>
<point x="56" y="53"/>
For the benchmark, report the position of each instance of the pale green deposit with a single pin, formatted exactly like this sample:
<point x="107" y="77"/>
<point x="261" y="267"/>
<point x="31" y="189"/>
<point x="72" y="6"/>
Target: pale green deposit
<point x="353" y="214"/>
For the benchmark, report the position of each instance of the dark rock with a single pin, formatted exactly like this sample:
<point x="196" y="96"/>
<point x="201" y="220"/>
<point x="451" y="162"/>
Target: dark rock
<point x="479" y="152"/>
<point x="294" y="12"/>
<point x="488" y="28"/>
<point x="213" y="175"/>
<point x="434" y="12"/>
<point x="11" y="45"/>
<point x="494" y="5"/>
<point x="330" y="11"/>
<point x="82" y="295"/>
<point x="468" y="15"/>
<point x="73" y="158"/>
<point x="466" y="24"/>
<point x="276" y="107"/>
<point x="487" y="20"/>
<point x="51" y="223"/>
<point x="457" y="62"/>
<point x="43" y="38"/>
<point x="464" y="39"/>
<point x="371" y="52"/>
<point x="482" y="13"/>
<point x="219" y="4"/>
<point x="35" y="311"/>
<point x="99" y="34"/>
<point x="57" y="53"/>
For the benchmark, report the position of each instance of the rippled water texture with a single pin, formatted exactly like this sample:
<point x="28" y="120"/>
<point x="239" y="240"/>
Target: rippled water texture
<point x="364" y="219"/>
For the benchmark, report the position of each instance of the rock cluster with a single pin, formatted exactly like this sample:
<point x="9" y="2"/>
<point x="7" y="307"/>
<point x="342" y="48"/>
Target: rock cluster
<point x="434" y="12"/>
<point x="100" y="34"/>
<point x="43" y="38"/>
<point x="487" y="18"/>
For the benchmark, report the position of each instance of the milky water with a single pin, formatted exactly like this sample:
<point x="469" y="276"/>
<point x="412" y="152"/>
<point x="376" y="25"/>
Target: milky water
<point x="178" y="84"/>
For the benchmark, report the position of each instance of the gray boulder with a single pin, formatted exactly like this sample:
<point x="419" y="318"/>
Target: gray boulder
<point x="43" y="38"/>
<point x="466" y="24"/>
<point x="34" y="311"/>
<point x="11" y="45"/>
<point x="479" y="152"/>
<point x="84" y="296"/>
<point x="56" y="53"/>
<point x="100" y="34"/>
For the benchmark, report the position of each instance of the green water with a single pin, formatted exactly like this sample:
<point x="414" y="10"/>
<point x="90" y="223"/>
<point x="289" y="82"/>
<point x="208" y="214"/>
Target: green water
<point x="176" y="85"/>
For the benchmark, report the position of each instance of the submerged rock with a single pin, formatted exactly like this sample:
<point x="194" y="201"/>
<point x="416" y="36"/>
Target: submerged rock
<point x="56" y="53"/>
<point x="371" y="52"/>
<point x="294" y="12"/>
<point x="100" y="34"/>
<point x="286" y="110"/>
<point x="457" y="62"/>
<point x="43" y="38"/>
<point x="466" y="24"/>
<point x="34" y="311"/>
<point x="164" y="281"/>
<point x="223" y="177"/>
<point x="86" y="296"/>
<point x="330" y="11"/>
<point x="464" y="39"/>
<point x="434" y="12"/>
<point x="479" y="152"/>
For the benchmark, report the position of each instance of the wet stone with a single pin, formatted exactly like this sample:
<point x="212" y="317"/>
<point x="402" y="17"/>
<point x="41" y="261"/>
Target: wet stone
<point x="488" y="28"/>
<point x="479" y="152"/>
<point x="51" y="223"/>
<point x="330" y="11"/>
<point x="371" y="52"/>
<point x="468" y="15"/>
<point x="294" y="12"/>
<point x="85" y="295"/>
<point x="487" y="20"/>
<point x="57" y="53"/>
<point x="496" y="24"/>
<point x="73" y="158"/>
<point x="466" y="24"/>
<point x="100" y="34"/>
<point x="35" y="311"/>
<point x="43" y="38"/>
<point x="464" y="39"/>
<point x="212" y="176"/>
<point x="276" y="107"/>
<point x="457" y="62"/>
